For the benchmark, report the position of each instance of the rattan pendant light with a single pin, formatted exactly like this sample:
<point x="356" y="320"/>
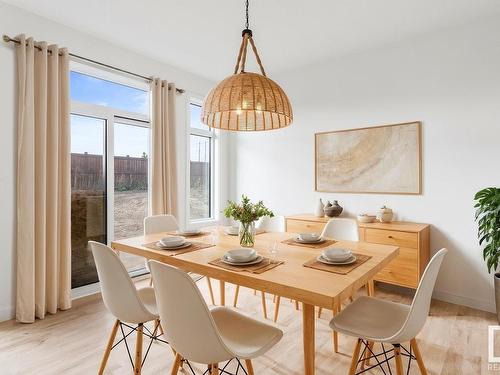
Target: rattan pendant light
<point x="247" y="101"/>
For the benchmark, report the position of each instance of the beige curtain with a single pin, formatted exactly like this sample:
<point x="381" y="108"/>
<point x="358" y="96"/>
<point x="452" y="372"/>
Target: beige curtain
<point x="164" y="180"/>
<point x="43" y="181"/>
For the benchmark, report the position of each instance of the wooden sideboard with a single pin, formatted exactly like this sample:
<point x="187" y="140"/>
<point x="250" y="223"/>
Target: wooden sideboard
<point x="413" y="240"/>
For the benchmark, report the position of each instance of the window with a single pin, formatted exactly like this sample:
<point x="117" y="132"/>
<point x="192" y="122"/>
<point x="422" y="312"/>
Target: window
<point x="110" y="148"/>
<point x="201" y="167"/>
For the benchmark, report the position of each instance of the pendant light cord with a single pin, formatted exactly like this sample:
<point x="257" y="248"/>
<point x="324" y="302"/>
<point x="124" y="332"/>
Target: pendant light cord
<point x="247" y="24"/>
<point x="247" y="38"/>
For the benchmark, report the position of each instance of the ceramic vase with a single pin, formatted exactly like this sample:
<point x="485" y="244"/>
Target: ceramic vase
<point x="320" y="209"/>
<point x="333" y="210"/>
<point x="385" y="214"/>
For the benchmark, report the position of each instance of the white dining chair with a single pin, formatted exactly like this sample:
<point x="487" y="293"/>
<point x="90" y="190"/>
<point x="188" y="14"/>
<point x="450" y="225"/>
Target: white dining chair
<point x="271" y="224"/>
<point x="268" y="224"/>
<point x="341" y="229"/>
<point x="206" y="336"/>
<point x="373" y="320"/>
<point x="168" y="223"/>
<point x="131" y="307"/>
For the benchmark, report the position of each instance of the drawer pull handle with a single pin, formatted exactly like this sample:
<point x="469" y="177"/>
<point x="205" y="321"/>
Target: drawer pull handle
<point x="390" y="237"/>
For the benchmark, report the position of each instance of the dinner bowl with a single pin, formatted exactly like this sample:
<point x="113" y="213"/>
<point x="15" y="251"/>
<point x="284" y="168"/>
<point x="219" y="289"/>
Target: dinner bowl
<point x="232" y="230"/>
<point x="336" y="254"/>
<point x="173" y="241"/>
<point x="241" y="255"/>
<point x="191" y="231"/>
<point x="309" y="237"/>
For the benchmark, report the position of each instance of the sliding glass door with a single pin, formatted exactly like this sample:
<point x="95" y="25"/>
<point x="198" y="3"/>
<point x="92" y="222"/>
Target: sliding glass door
<point x="110" y="148"/>
<point x="131" y="166"/>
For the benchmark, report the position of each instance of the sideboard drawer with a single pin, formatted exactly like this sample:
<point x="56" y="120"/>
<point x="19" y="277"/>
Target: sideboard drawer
<point x="403" y="270"/>
<point x="302" y="226"/>
<point x="391" y="237"/>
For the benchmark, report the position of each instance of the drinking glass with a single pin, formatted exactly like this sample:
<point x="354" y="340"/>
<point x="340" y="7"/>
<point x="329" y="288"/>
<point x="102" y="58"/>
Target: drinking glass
<point x="273" y="251"/>
<point x="214" y="236"/>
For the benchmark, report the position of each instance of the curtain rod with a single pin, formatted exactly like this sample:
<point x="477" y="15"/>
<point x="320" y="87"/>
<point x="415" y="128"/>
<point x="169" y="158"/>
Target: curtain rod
<point x="8" y="39"/>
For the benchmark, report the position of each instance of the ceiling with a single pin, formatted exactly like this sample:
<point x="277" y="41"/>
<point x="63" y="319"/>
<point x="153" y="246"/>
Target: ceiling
<point x="203" y="36"/>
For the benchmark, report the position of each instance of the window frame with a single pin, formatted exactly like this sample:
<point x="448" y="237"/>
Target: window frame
<point x="112" y="115"/>
<point x="214" y="137"/>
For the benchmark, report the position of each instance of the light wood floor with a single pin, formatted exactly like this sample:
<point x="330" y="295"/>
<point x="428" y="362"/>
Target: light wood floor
<point x="453" y="342"/>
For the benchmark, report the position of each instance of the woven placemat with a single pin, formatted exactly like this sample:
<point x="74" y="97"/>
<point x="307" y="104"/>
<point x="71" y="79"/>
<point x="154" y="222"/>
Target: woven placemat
<point x="194" y="235"/>
<point x="291" y="241"/>
<point x="340" y="269"/>
<point x="261" y="267"/>
<point x="194" y="246"/>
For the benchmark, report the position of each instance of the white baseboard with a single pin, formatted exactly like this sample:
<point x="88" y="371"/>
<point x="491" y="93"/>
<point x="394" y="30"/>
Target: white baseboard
<point x="7" y="313"/>
<point x="485" y="305"/>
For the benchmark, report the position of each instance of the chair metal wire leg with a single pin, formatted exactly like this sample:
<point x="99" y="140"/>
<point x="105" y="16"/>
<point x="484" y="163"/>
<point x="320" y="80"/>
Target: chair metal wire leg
<point x="223" y="370"/>
<point x="368" y="353"/>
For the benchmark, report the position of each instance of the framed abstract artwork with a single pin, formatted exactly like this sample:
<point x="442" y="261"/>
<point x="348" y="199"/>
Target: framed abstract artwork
<point x="381" y="160"/>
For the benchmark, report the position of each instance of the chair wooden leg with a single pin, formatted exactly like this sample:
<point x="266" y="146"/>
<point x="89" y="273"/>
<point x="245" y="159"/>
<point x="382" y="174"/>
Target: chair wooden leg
<point x="264" y="307"/>
<point x="162" y="332"/>
<point x="335" y="340"/>
<point x="277" y="301"/>
<point x="138" y="350"/>
<point x="215" y="369"/>
<point x="210" y="291"/>
<point x="399" y="362"/>
<point x="355" y="357"/>
<point x="236" y="294"/>
<point x="366" y="360"/>
<point x="370" y="288"/>
<point x="222" y="287"/>
<point x="176" y="365"/>
<point x="418" y="355"/>
<point x="248" y="364"/>
<point x="320" y="310"/>
<point x="156" y="327"/>
<point x="335" y="334"/>
<point x="111" y="340"/>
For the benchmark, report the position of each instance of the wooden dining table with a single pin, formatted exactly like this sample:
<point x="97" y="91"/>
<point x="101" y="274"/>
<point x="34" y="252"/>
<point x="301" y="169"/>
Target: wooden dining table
<point x="291" y="279"/>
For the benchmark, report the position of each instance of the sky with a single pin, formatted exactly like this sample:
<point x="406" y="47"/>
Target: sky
<point x="88" y="133"/>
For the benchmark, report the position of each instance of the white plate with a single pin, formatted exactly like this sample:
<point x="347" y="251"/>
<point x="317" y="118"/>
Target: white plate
<point x="257" y="260"/>
<point x="231" y="259"/>
<point x="184" y="245"/>
<point x="297" y="239"/>
<point x="346" y="262"/>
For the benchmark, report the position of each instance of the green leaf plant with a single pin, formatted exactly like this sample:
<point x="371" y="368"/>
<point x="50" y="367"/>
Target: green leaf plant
<point x="488" y="220"/>
<point x="246" y="211"/>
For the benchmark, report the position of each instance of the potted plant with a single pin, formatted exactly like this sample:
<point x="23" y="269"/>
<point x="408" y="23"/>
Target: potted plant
<point x="246" y="213"/>
<point x="488" y="219"/>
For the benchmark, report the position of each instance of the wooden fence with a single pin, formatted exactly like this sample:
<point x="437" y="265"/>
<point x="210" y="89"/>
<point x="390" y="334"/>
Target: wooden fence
<point x="87" y="172"/>
<point x="131" y="173"/>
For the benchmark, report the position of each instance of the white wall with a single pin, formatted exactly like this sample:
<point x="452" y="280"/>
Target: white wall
<point x="451" y="82"/>
<point x="14" y="21"/>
